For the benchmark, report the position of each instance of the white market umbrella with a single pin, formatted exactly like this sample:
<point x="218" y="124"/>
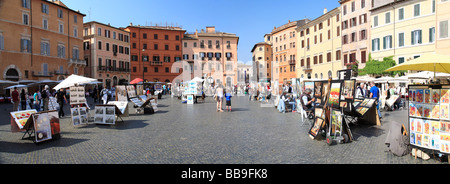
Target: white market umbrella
<point x="197" y="79"/>
<point x="73" y="80"/>
<point x="383" y="79"/>
<point x="399" y="79"/>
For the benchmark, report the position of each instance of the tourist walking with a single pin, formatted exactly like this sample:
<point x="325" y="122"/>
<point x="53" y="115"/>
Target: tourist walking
<point x="36" y="101"/>
<point x="45" y="97"/>
<point x="61" y="97"/>
<point x="375" y="93"/>
<point x="219" y="97"/>
<point x="104" y="94"/>
<point x="23" y="100"/>
<point x="15" y="99"/>
<point x="228" y="99"/>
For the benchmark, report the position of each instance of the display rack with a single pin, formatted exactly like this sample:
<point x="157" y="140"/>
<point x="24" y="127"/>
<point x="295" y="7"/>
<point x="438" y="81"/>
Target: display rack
<point x="428" y="118"/>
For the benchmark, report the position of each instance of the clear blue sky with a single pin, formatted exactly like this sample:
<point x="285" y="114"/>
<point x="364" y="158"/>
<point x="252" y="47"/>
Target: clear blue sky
<point x="249" y="19"/>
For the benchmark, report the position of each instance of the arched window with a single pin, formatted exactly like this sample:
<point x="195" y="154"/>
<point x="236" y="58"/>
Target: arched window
<point x="12" y="74"/>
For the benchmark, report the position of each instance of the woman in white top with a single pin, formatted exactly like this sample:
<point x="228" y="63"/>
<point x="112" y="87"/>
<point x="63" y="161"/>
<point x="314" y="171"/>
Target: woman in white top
<point x="219" y="97"/>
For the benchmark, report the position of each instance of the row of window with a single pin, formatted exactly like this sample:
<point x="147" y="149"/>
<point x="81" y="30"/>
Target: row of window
<point x="155" y="46"/>
<point x="112" y="63"/>
<point x="25" y="46"/>
<point x="155" y="36"/>
<point x="115" y="48"/>
<point x="115" y="35"/>
<point x="210" y="46"/>
<point x="353" y="37"/>
<point x="416" y="39"/>
<point x="401" y="14"/>
<point x="354" y="21"/>
<point x="319" y="59"/>
<point x="319" y="39"/>
<point x="156" y="58"/>
<point x="353" y="6"/>
<point x="45" y="9"/>
<point x="320" y="25"/>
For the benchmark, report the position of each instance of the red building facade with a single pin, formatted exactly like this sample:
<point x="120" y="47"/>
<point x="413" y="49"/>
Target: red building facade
<point x="153" y="50"/>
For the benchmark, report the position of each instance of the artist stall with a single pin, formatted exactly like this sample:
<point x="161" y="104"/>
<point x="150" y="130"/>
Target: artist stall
<point x="429" y="119"/>
<point x="39" y="126"/>
<point x="336" y="107"/>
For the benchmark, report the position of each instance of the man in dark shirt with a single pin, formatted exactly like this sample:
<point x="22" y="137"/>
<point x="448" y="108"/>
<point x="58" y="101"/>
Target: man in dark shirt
<point x="15" y="99"/>
<point x="61" y="97"/>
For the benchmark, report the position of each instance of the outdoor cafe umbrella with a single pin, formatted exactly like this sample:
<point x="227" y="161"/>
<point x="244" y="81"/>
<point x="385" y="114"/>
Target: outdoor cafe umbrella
<point x="17" y="86"/>
<point x="136" y="80"/>
<point x="73" y="80"/>
<point x="426" y="62"/>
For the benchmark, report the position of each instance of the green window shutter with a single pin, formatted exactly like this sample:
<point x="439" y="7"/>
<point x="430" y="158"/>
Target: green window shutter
<point x="373" y="45"/>
<point x="412" y="37"/>
<point x="378" y="41"/>
<point x="390" y="43"/>
<point x="384" y="42"/>
<point x="420" y="36"/>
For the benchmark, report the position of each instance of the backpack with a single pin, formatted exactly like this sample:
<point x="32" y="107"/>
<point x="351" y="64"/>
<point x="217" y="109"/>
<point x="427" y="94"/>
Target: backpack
<point x="44" y="94"/>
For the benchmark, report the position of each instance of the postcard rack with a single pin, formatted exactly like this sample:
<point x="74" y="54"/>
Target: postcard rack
<point x="428" y="118"/>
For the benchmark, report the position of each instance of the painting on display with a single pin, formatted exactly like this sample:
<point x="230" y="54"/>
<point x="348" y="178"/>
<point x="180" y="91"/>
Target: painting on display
<point x="121" y="105"/>
<point x="314" y="131"/>
<point x="79" y="116"/>
<point x="105" y="114"/>
<point x="77" y="95"/>
<point x="131" y="91"/>
<point x="333" y="99"/>
<point x="20" y="118"/>
<point x="325" y="89"/>
<point x="348" y="89"/>
<point x="121" y="93"/>
<point x="318" y="91"/>
<point x="42" y="127"/>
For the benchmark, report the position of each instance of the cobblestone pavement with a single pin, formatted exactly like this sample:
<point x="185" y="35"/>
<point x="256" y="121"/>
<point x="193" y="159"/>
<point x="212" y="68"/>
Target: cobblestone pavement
<point x="197" y="134"/>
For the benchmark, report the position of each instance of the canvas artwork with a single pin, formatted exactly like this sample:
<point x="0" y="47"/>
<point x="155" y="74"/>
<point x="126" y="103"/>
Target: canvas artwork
<point x="21" y="117"/>
<point x="435" y="127"/>
<point x="139" y="89"/>
<point x="445" y="143"/>
<point x="427" y="126"/>
<point x="419" y="125"/>
<point x="444" y="111"/>
<point x="42" y="127"/>
<point x="444" y="127"/>
<point x="419" y="110"/>
<point x="318" y="112"/>
<point x="444" y="96"/>
<point x="348" y="89"/>
<point x="131" y="91"/>
<point x="370" y="103"/>
<point x="79" y="116"/>
<point x="412" y="124"/>
<point x="318" y="91"/>
<point x="335" y="90"/>
<point x="419" y="95"/>
<point x="121" y="93"/>
<point x="435" y="96"/>
<point x="435" y="111"/>
<point x="336" y="121"/>
<point x="77" y="95"/>
<point x="316" y="127"/>
<point x="427" y="96"/>
<point x="121" y="105"/>
<point x="412" y="109"/>
<point x="325" y="88"/>
<point x="412" y="138"/>
<point x="426" y="110"/>
<point x="105" y="114"/>
<point x="410" y="95"/>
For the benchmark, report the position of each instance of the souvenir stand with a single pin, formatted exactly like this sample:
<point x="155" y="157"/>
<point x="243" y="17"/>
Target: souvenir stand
<point x="39" y="126"/>
<point x="79" y="110"/>
<point x="428" y="118"/>
<point x="332" y="99"/>
<point x="140" y="102"/>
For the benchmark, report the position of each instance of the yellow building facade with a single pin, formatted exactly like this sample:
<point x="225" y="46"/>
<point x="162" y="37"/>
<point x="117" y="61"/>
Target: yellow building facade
<point x="319" y="47"/>
<point x="405" y="29"/>
<point x="442" y="27"/>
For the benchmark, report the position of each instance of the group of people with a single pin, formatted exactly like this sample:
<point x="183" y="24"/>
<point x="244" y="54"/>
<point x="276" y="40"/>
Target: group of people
<point x="221" y="93"/>
<point x="40" y="100"/>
